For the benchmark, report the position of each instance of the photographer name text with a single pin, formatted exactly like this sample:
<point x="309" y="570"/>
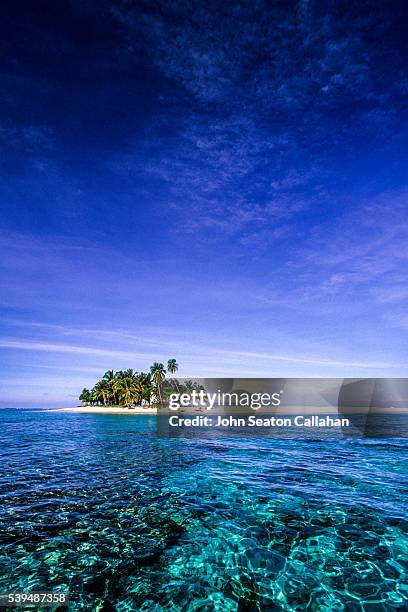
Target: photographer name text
<point x="258" y="421"/>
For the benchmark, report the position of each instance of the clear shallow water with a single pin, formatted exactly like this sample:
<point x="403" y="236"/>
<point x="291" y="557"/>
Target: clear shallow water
<point x="102" y="507"/>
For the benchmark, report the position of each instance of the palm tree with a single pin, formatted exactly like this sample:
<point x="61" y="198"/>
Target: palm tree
<point x="109" y="375"/>
<point x="144" y="379"/>
<point x="145" y="386"/>
<point x="129" y="391"/>
<point x="130" y="373"/>
<point x="123" y="386"/>
<point x="101" y="392"/>
<point x="172" y="367"/>
<point x="85" y="396"/>
<point x="158" y="375"/>
<point x="110" y="378"/>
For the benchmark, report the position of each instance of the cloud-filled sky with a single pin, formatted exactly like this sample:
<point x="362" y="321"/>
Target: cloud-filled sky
<point x="224" y="183"/>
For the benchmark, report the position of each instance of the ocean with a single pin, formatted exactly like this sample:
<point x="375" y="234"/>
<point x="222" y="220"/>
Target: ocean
<point x="103" y="507"/>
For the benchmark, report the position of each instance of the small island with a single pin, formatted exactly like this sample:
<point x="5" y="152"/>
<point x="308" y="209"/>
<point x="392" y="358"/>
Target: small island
<point x="122" y="391"/>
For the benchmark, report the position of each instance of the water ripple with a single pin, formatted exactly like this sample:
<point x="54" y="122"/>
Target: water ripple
<point x="125" y="520"/>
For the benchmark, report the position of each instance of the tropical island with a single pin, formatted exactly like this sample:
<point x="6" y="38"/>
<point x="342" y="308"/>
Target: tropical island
<point x="131" y="389"/>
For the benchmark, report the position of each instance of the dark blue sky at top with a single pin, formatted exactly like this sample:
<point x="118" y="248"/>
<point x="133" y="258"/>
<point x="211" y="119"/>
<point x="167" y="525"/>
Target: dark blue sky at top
<point x="224" y="181"/>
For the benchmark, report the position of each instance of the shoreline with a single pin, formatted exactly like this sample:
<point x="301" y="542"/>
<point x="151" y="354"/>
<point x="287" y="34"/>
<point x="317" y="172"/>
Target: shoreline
<point x="305" y="410"/>
<point x="107" y="410"/>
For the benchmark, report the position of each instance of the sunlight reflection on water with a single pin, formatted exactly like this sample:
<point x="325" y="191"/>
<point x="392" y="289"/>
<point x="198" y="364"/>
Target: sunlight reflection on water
<point x="99" y="505"/>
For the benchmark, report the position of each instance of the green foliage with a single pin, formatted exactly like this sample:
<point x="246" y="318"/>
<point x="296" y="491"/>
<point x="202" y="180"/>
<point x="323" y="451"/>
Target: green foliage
<point x="85" y="396"/>
<point x="172" y="366"/>
<point x="125" y="387"/>
<point x="158" y="374"/>
<point x="170" y="386"/>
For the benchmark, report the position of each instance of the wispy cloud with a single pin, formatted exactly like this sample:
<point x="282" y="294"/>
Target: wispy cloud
<point x="357" y="259"/>
<point x="191" y="352"/>
<point x="268" y="93"/>
<point x="50" y="347"/>
<point x="317" y="361"/>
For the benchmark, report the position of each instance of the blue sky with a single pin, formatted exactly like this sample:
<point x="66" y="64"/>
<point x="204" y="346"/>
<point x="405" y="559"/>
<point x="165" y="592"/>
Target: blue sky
<point x="224" y="183"/>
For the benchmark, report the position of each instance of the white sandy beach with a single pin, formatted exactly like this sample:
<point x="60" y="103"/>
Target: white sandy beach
<point x="108" y="410"/>
<point x="277" y="412"/>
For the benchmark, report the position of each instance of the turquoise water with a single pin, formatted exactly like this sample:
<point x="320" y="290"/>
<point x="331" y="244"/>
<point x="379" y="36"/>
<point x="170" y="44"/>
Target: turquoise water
<point x="102" y="507"/>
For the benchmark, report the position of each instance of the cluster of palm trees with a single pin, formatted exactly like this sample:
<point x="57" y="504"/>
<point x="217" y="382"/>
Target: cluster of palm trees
<point x="127" y="387"/>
